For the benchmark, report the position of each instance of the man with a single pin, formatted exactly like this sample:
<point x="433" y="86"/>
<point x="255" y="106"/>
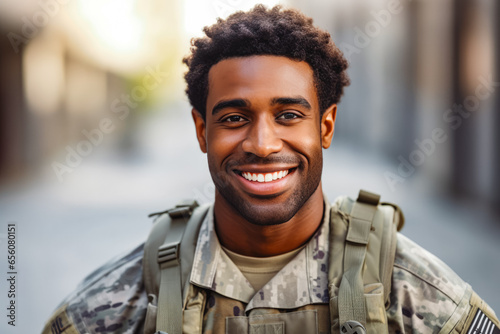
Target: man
<point x="264" y="87"/>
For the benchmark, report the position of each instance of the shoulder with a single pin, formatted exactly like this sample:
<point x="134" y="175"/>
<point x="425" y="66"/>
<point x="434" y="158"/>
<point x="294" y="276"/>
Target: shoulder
<point x="428" y="296"/>
<point x="110" y="299"/>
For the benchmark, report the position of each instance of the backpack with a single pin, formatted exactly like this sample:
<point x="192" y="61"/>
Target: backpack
<point x="359" y="276"/>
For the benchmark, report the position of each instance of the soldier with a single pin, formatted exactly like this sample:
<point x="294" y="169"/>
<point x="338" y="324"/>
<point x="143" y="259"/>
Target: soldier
<point x="272" y="255"/>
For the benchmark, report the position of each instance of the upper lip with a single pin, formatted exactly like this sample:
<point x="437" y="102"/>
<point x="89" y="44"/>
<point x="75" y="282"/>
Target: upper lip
<point x="262" y="169"/>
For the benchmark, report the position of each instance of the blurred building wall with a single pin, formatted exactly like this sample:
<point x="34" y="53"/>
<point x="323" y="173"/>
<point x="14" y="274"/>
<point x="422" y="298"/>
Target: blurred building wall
<point x="496" y="165"/>
<point x="64" y="63"/>
<point x="413" y="65"/>
<point x="476" y="150"/>
<point x="12" y="110"/>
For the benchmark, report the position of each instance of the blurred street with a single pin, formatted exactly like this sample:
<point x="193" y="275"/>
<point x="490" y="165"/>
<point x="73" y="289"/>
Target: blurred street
<point x="65" y="230"/>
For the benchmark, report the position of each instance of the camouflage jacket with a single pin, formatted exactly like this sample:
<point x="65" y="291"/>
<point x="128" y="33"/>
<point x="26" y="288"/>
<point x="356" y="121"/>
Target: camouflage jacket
<point x="426" y="295"/>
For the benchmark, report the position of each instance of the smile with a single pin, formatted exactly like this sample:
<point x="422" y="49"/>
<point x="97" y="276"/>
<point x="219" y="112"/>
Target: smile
<point x="265" y="177"/>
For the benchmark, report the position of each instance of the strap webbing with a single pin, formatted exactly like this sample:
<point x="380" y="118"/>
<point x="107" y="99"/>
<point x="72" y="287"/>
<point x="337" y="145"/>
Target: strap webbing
<point x="170" y="301"/>
<point x="351" y="301"/>
<point x="169" y="315"/>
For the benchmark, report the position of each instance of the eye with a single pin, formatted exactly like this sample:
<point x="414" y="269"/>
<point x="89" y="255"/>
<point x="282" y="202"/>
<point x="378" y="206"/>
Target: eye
<point x="233" y="119"/>
<point x="288" y="116"/>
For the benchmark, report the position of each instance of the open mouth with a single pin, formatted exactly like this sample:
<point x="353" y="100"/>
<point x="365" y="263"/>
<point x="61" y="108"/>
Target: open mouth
<point x="266" y="177"/>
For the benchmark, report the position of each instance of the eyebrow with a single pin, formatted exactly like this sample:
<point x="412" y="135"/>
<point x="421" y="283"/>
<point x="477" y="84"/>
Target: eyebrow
<point x="244" y="103"/>
<point x="291" y="100"/>
<point x="234" y="103"/>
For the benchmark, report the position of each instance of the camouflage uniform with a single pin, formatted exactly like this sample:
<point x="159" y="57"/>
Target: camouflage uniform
<point x="426" y="295"/>
<point x="110" y="300"/>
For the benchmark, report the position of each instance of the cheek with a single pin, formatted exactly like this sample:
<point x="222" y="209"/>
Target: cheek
<point x="222" y="144"/>
<point x="305" y="140"/>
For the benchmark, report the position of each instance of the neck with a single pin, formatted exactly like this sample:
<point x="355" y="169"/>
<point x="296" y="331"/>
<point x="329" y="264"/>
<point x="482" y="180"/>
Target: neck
<point x="242" y="237"/>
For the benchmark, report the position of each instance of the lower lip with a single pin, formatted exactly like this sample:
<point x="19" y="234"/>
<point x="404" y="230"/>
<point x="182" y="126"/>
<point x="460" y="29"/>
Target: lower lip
<point x="266" y="188"/>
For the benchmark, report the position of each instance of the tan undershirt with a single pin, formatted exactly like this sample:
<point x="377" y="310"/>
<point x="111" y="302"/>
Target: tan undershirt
<point x="259" y="270"/>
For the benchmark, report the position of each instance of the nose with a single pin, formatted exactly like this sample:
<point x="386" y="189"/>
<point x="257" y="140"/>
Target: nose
<point x="262" y="138"/>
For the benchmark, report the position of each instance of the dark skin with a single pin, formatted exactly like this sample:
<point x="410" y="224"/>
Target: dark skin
<point x="263" y="124"/>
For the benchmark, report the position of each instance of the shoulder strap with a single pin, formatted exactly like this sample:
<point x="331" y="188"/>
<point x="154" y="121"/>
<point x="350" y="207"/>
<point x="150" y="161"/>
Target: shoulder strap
<point x="168" y="257"/>
<point x="368" y="258"/>
<point x="351" y="300"/>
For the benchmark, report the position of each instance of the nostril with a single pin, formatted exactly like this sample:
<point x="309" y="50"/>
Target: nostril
<point x="262" y="147"/>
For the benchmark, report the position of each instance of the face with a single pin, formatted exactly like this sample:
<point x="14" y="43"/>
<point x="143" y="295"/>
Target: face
<point x="263" y="135"/>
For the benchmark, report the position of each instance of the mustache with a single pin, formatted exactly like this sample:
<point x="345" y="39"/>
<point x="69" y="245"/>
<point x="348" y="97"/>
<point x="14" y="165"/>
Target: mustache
<point x="272" y="159"/>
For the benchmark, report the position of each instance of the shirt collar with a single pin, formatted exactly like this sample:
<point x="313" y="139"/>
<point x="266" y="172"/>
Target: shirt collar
<point x="303" y="281"/>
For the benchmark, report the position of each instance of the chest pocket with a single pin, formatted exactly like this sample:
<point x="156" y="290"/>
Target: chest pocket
<point x="298" y="322"/>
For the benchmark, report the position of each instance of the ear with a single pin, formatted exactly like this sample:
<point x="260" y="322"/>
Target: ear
<point x="328" y="125"/>
<point x="201" y="129"/>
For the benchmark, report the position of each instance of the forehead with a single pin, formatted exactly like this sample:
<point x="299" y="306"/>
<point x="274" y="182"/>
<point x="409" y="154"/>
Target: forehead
<point x="260" y="77"/>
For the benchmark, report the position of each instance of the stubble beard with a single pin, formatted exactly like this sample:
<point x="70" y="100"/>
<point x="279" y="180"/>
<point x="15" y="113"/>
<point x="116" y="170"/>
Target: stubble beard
<point x="270" y="212"/>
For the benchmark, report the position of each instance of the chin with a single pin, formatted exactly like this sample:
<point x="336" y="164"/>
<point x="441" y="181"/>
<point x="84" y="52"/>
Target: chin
<point x="266" y="212"/>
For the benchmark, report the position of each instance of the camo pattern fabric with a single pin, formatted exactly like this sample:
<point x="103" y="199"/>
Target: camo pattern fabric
<point x="303" y="281"/>
<point x="110" y="300"/>
<point x="426" y="296"/>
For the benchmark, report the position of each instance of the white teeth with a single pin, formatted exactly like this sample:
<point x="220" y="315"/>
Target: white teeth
<point x="268" y="177"/>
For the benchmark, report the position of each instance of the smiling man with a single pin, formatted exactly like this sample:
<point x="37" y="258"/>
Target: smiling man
<point x="263" y="135"/>
<point x="271" y="254"/>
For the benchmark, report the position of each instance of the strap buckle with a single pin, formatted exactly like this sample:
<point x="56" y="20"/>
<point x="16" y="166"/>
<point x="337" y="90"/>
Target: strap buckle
<point x="183" y="209"/>
<point x="352" y="327"/>
<point x="368" y="197"/>
<point x="168" y="255"/>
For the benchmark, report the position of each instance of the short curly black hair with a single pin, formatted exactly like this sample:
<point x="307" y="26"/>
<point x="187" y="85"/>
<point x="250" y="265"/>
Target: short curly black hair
<point x="262" y="31"/>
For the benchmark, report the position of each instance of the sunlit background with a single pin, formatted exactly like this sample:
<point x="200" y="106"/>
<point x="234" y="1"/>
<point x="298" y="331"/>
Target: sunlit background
<point x="95" y="129"/>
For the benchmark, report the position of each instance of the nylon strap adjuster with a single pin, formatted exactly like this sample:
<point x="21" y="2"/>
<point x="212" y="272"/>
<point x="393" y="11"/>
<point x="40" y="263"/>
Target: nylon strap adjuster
<point x="168" y="255"/>
<point x="358" y="231"/>
<point x="181" y="210"/>
<point x="352" y="327"/>
<point x="368" y="197"/>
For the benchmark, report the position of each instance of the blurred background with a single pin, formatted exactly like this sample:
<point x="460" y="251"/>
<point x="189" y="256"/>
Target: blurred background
<point x="95" y="129"/>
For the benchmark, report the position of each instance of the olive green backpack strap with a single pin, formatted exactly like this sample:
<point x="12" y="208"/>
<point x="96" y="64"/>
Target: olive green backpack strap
<point x="368" y="259"/>
<point x="167" y="262"/>
<point x="351" y="301"/>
